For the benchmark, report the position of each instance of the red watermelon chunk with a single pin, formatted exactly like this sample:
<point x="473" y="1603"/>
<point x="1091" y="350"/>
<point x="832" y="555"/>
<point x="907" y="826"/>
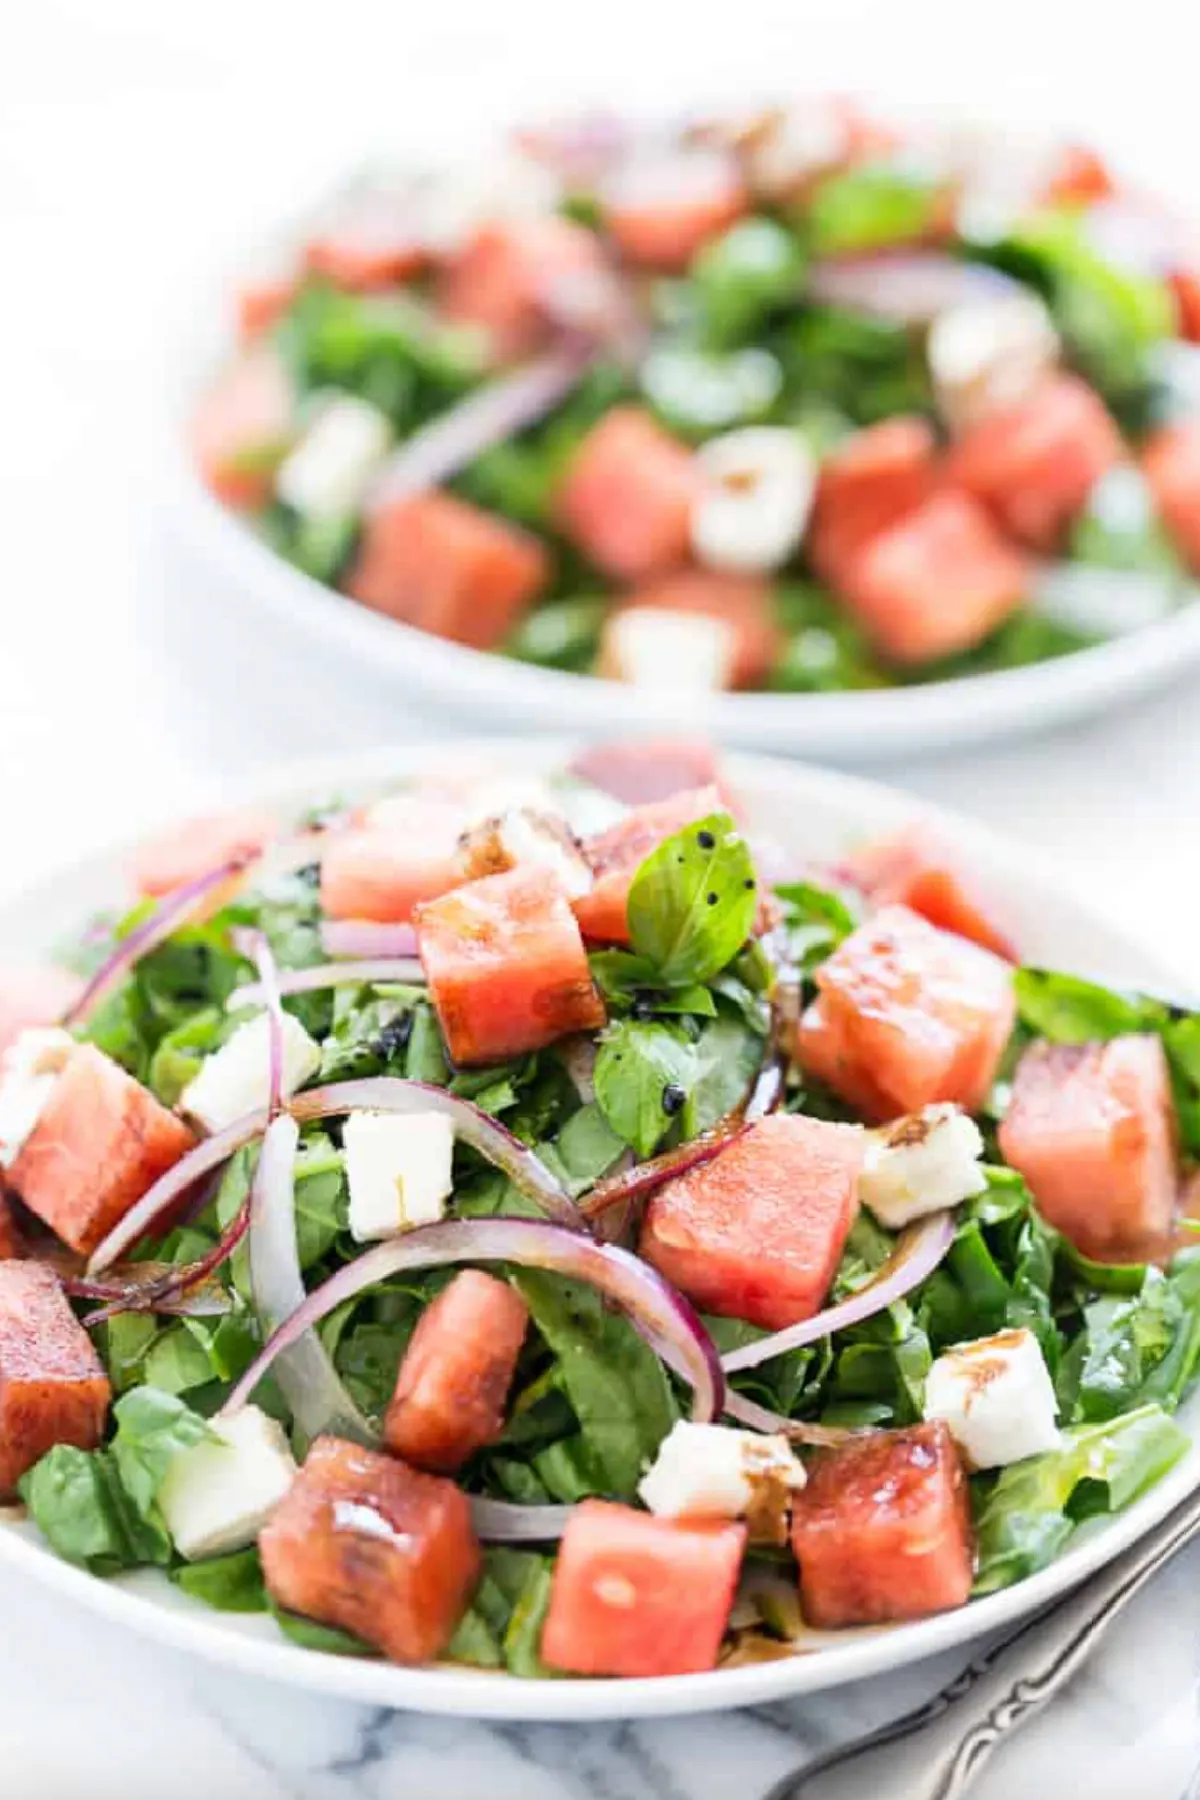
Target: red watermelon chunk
<point x="935" y="583"/>
<point x="1172" y="465"/>
<point x="370" y="242"/>
<point x="53" y="1389"/>
<point x="869" y="483"/>
<point x="1078" y="178"/>
<point x="456" y="1373"/>
<point x="639" y="769"/>
<point x="915" y="869"/>
<point x="33" y="994"/>
<point x="242" y="428"/>
<point x="758" y="1232"/>
<point x="507" y="279"/>
<point x="404" y="851"/>
<point x="882" y="1531"/>
<point x="617" y="854"/>
<point x="661" y="210"/>
<point x="1034" y="465"/>
<point x="638" y="1595"/>
<point x="363" y="1542"/>
<point x="445" y="566"/>
<point x="101" y="1141"/>
<point x="908" y="1015"/>
<point x="1185" y="289"/>
<point x="506" y="966"/>
<point x="1092" y="1129"/>
<point x="627" y="496"/>
<point x="182" y="852"/>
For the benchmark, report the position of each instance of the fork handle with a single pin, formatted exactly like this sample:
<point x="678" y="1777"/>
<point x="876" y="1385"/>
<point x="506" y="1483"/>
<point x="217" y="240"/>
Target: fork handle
<point x="937" y="1751"/>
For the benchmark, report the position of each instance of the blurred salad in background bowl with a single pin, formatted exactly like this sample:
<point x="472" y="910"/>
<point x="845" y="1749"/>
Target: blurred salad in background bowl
<point x="761" y="411"/>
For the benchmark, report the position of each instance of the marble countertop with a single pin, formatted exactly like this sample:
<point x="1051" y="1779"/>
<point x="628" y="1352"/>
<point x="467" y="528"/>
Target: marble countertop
<point x="137" y="144"/>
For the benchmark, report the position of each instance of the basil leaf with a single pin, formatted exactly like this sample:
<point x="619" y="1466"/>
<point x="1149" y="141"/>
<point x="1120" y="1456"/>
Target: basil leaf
<point x="644" y="1072"/>
<point x="693" y="901"/>
<point x="232" y="1583"/>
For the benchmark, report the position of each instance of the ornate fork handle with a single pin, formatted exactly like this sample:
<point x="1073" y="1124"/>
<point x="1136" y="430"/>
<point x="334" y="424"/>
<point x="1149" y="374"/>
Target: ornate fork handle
<point x="937" y="1751"/>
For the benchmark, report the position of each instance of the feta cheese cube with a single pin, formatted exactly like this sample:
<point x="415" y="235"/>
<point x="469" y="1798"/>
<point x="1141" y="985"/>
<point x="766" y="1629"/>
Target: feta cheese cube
<point x="330" y="469"/>
<point x="986" y="355"/>
<point x="996" y="1398"/>
<point x="757" y="493"/>
<point x="715" y="1471"/>
<point x="651" y="646"/>
<point x="398" y="1170"/>
<point x="923" y="1163"/>
<point x="29" y="1069"/>
<point x="521" y="837"/>
<point x="219" y="1494"/>
<point x="236" y="1079"/>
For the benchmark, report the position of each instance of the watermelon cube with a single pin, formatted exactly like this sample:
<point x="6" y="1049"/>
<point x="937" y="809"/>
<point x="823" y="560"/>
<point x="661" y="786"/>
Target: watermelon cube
<point x="448" y="567"/>
<point x="869" y="483"/>
<point x="627" y="496"/>
<point x="33" y="994"/>
<point x="1092" y="1129"/>
<point x="906" y="1015"/>
<point x="618" y="853"/>
<point x="757" y="1233"/>
<point x="506" y="966"/>
<point x="404" y="851"/>
<point x="53" y="1389"/>
<point x="638" y="1595"/>
<point x="243" y="427"/>
<point x="935" y="583"/>
<point x="506" y="280"/>
<point x="365" y="1543"/>
<point x="1172" y="465"/>
<point x="882" y="1531"/>
<point x="456" y="1373"/>
<point x="660" y="210"/>
<point x="101" y="1141"/>
<point x="371" y="241"/>
<point x="1034" y="465"/>
<point x="916" y="869"/>
<point x="182" y="852"/>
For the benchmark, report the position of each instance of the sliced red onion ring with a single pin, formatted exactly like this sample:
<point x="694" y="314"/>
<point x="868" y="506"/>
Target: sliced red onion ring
<point x="366" y="938"/>
<point x="579" y="1060"/>
<point x="141" y="1218"/>
<point x="917" y="1254"/>
<point x="643" y="1178"/>
<point x="390" y="1093"/>
<point x="503" y="1522"/>
<point x="664" y="1318"/>
<point x="487" y="416"/>
<point x="405" y="970"/>
<point x="175" y="910"/>
<point x="271" y="999"/>
<point x="152" y="1287"/>
<point x="304" y="1370"/>
<point x="906" y="287"/>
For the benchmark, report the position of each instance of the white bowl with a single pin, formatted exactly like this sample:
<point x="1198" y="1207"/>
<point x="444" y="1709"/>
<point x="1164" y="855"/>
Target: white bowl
<point x="817" y="813"/>
<point x="367" y="667"/>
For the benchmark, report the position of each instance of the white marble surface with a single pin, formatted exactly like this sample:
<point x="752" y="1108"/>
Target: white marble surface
<point x="137" y="143"/>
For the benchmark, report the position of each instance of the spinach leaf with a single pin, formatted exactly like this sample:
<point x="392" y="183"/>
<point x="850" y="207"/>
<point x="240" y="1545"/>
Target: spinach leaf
<point x="1030" y="1510"/>
<point x="586" y="1148"/>
<point x="232" y="1583"/>
<point x="742" y="277"/>
<point x="312" y="1636"/>
<point x="692" y="902"/>
<point x="869" y="208"/>
<point x="563" y="634"/>
<point x="817" y="919"/>
<point x="618" y="1390"/>
<point x="726" y="1058"/>
<point x="697" y="392"/>
<point x="1142" y="1348"/>
<point x="644" y="1071"/>
<point x="1120" y="528"/>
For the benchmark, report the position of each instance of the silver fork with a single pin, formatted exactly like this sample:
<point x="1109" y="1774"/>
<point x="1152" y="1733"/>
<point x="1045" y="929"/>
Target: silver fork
<point x="937" y="1751"/>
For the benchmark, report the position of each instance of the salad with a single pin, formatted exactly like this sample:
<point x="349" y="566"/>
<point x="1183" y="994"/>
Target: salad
<point x="534" y="1224"/>
<point x="799" y="400"/>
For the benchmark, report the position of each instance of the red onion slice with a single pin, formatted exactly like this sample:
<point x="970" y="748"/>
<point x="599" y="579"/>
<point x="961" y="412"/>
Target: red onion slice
<point x="760" y="1418"/>
<point x="486" y="417"/>
<point x="153" y="1287"/>
<point x="270" y="998"/>
<point x="141" y="1218"/>
<point x="391" y="1093"/>
<point x="917" y="1254"/>
<point x="503" y="1522"/>
<point x="664" y="1318"/>
<point x="906" y="287"/>
<point x="366" y="938"/>
<point x="403" y="970"/>
<point x="309" y="1382"/>
<point x="176" y="909"/>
